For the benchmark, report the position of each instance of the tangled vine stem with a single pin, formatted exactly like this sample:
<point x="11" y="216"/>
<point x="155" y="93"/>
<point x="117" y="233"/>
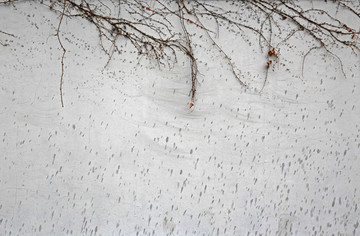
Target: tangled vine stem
<point x="152" y="27"/>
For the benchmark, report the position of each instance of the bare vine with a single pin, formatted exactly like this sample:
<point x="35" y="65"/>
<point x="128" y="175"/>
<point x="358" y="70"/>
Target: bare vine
<point x="63" y="54"/>
<point x="152" y="28"/>
<point x="8" y="34"/>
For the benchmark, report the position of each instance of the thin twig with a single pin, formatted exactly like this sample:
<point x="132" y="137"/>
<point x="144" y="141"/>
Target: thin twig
<point x="63" y="54"/>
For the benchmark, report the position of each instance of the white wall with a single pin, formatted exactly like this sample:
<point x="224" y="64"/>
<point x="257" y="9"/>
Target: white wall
<point x="126" y="155"/>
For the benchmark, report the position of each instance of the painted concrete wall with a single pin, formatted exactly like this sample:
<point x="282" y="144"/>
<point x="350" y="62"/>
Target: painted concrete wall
<point x="126" y="155"/>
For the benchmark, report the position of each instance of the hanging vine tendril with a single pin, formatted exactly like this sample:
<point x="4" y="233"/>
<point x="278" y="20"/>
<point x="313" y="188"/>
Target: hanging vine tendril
<point x="151" y="27"/>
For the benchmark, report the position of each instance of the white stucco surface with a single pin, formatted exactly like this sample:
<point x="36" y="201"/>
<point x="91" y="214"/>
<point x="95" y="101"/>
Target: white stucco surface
<point x="126" y="155"/>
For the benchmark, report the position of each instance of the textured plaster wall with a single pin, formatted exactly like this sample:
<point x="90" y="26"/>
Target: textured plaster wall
<point x="126" y="155"/>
